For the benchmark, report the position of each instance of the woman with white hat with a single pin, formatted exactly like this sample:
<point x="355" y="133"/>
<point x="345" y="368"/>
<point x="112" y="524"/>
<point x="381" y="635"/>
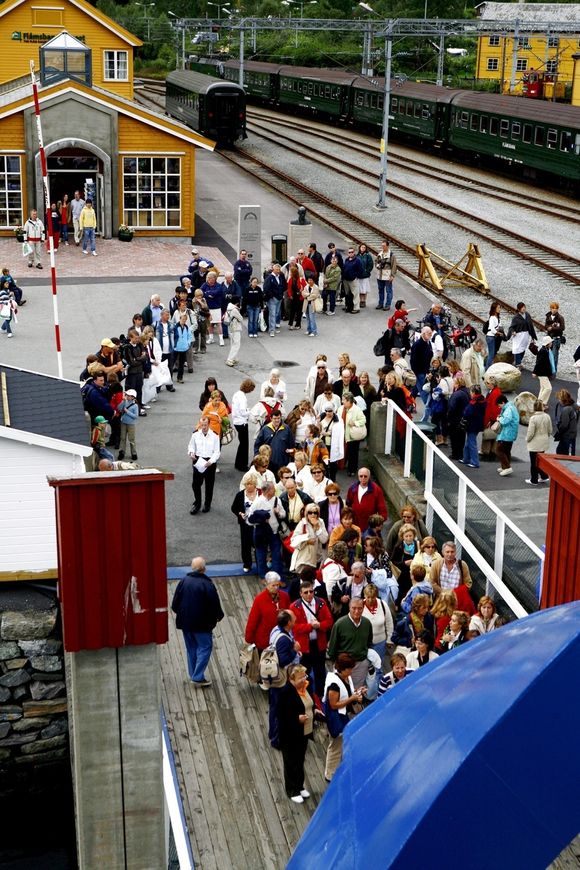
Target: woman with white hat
<point x="544" y="370"/>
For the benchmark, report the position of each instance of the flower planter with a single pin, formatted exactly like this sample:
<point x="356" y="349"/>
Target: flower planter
<point x="125" y="237"/>
<point x="20" y="237"/>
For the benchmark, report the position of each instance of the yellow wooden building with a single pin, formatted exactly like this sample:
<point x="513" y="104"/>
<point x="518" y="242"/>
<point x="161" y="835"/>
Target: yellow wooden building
<point x="137" y="165"/>
<point x="547" y="50"/>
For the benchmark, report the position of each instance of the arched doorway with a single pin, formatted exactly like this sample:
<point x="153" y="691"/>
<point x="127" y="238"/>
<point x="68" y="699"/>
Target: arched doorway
<point x="75" y="164"/>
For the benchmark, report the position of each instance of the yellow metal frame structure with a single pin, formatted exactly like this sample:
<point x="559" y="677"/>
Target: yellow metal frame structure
<point x="438" y="273"/>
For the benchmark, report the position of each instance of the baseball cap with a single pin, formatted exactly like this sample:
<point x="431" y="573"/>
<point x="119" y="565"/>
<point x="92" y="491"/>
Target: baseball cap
<point x="194" y="251"/>
<point x="100" y="420"/>
<point x="203" y="265"/>
<point x="131" y="393"/>
<point x="106" y="342"/>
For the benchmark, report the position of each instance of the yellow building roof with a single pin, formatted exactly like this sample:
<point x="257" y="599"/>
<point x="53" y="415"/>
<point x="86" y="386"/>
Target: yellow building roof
<point x="89" y="10"/>
<point x="100" y="96"/>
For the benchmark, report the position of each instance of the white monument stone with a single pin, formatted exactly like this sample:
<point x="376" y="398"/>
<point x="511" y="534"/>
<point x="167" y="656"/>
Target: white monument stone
<point x="250" y="235"/>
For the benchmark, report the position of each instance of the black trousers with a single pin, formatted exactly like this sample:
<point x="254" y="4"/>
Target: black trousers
<point x="457" y="440"/>
<point x="247" y="542"/>
<point x="352" y="449"/>
<point x="314" y="661"/>
<point x="241" y="461"/>
<point x="295" y="317"/>
<point x="534" y="470"/>
<point x="293" y="757"/>
<point x="135" y="382"/>
<point x="199" y="479"/>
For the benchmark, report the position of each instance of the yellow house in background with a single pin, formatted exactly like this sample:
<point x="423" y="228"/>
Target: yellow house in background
<point x="547" y="51"/>
<point x="136" y="164"/>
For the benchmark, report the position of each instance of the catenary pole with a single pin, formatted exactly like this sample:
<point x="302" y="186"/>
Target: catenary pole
<point x="48" y="220"/>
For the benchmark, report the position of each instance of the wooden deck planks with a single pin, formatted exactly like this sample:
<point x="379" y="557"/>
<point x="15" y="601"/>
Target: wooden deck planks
<point x="231" y="779"/>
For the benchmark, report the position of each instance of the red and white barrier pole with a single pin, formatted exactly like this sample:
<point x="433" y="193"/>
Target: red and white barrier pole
<point x="48" y="214"/>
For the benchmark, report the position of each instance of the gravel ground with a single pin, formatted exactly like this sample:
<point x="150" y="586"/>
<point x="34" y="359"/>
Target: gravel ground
<point x="509" y="277"/>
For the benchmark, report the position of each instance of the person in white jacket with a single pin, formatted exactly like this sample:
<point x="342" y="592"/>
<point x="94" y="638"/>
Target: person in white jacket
<point x="235" y="322"/>
<point x="240" y="418"/>
<point x="308" y="539"/>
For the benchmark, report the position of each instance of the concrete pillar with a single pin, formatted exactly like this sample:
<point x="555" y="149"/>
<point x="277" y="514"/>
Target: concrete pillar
<point x="114" y="705"/>
<point x="576" y="79"/>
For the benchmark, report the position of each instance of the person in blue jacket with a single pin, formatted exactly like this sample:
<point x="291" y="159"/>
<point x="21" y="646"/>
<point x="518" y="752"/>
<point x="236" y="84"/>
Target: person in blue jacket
<point x="274" y="290"/>
<point x="197" y="606"/>
<point x="509" y="421"/>
<point x="473" y="417"/>
<point x="214" y="296"/>
<point x="183" y="337"/>
<point x="129" y="411"/>
<point x="288" y="650"/>
<point x="242" y="275"/>
<point x="352" y="271"/>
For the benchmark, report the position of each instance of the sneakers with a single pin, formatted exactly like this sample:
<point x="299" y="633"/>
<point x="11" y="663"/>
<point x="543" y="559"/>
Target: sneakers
<point x="230" y="362"/>
<point x="505" y="471"/>
<point x="201" y="684"/>
<point x="471" y="465"/>
<point x="39" y="265"/>
<point x="121" y="454"/>
<point x="531" y="482"/>
<point x="86" y="252"/>
<point x="331" y="313"/>
<point x="304" y="793"/>
<point x="221" y="341"/>
<point x="298" y="799"/>
<point x="94" y="253"/>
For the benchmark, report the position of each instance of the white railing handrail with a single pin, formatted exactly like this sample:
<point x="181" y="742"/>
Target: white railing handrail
<point x="391" y="409"/>
<point x="174" y="802"/>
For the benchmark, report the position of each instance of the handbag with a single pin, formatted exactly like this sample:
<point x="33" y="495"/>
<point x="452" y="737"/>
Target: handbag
<point x="335" y="722"/>
<point x="357" y="433"/>
<point x="533" y="347"/>
<point x="318" y="305"/>
<point x="496" y="426"/>
<point x="489" y="434"/>
<point x="379" y="346"/>
<point x="262" y="322"/>
<point x="27" y="249"/>
<point x="6" y="312"/>
<point x="227" y="436"/>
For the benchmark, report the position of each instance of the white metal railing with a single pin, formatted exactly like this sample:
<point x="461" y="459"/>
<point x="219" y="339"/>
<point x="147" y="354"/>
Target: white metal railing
<point x="493" y="572"/>
<point x="174" y="805"/>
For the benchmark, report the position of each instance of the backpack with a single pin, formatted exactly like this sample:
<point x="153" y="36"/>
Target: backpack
<point x="410" y="379"/>
<point x="250" y="662"/>
<point x="272" y="675"/>
<point x="410" y="404"/>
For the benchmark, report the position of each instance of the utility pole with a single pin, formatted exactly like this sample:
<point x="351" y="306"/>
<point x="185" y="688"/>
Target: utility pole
<point x="515" y="57"/>
<point x="441" y="59"/>
<point x="386" y="108"/>
<point x="241" y="54"/>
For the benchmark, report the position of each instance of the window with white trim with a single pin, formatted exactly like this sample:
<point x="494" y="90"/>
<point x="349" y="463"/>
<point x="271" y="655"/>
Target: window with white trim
<point x="551" y="67"/>
<point x="553" y="42"/>
<point x="492" y="64"/>
<point x="116" y="66"/>
<point x="10" y="191"/>
<point x="521" y="64"/>
<point x="152" y="192"/>
<point x="494" y="40"/>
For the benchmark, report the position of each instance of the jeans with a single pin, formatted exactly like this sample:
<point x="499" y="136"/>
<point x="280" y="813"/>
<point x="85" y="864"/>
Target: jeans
<point x="6" y="327"/>
<point x="329" y="298"/>
<point x="199" y="646"/>
<point x="518" y="357"/>
<point x="311" y="319"/>
<point x="566" y="447"/>
<point x="274" y="313"/>
<point x="556" y="351"/>
<point x="273" y="542"/>
<point x="470" y="456"/>
<point x="385" y="286"/>
<point x="64" y="233"/>
<point x="418" y="388"/>
<point x="490" y="339"/>
<point x="89" y="238"/>
<point x="253" y="318"/>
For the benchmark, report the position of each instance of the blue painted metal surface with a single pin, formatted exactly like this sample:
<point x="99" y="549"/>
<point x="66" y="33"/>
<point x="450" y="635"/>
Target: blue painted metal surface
<point x="472" y="762"/>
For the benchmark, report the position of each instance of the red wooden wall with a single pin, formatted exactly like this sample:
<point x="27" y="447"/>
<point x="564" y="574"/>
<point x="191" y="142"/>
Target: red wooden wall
<point x="112" y="559"/>
<point x="561" y="580"/>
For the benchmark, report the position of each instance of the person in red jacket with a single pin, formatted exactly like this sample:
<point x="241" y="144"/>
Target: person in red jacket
<point x="366" y="498"/>
<point x="263" y="614"/>
<point x="313" y="622"/>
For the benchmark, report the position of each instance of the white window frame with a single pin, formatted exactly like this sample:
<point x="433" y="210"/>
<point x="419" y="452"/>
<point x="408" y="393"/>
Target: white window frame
<point x="5" y="222"/>
<point x="493" y="64"/>
<point x="161" y="191"/>
<point x="116" y="54"/>
<point x="494" y="40"/>
<point x="552" y="67"/>
<point x="521" y="64"/>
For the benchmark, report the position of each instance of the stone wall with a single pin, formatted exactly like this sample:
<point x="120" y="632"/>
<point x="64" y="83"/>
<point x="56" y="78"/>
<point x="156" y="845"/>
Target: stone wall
<point x="33" y="704"/>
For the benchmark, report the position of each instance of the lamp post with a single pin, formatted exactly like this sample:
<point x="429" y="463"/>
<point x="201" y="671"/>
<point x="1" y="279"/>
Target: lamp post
<point x="367" y="69"/>
<point x="302" y="4"/>
<point x="220" y="6"/>
<point x="179" y="25"/>
<point x="146" y="7"/>
<point x="386" y="106"/>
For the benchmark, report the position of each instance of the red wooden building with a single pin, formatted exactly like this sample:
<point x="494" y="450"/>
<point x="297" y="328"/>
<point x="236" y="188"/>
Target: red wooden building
<point x="561" y="579"/>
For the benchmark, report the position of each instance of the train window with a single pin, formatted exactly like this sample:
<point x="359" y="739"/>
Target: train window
<point x="409" y="108"/>
<point x="401" y="107"/>
<point x="425" y="113"/>
<point x="464" y="120"/>
<point x="552" y="141"/>
<point x="381" y="102"/>
<point x="483" y="124"/>
<point x="527" y="134"/>
<point x="566" y="141"/>
<point x="327" y="91"/>
<point x="504" y="128"/>
<point x="494" y="40"/>
<point x="394" y="104"/>
<point x="474" y="123"/>
<point x="539" y="137"/>
<point x="493" y="125"/>
<point x="335" y="93"/>
<point x="310" y="88"/>
<point x="516" y="130"/>
<point x="417" y="110"/>
<point x="492" y="64"/>
<point x="521" y="64"/>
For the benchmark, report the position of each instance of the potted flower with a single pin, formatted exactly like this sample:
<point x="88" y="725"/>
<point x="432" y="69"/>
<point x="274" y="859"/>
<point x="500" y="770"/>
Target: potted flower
<point x="125" y="233"/>
<point x="19" y="233"/>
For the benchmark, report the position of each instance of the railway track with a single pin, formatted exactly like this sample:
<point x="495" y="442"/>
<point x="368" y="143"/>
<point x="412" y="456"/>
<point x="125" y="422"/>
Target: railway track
<point x="344" y="222"/>
<point x="369" y="148"/>
<point x="564" y="266"/>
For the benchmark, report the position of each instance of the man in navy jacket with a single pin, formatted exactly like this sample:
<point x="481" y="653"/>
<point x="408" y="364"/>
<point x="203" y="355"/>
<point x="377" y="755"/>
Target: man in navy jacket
<point x="352" y="270"/>
<point x="197" y="605"/>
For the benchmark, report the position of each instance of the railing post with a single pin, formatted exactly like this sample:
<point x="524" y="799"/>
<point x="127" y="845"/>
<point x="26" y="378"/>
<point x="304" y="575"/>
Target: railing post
<point x="499" y="545"/>
<point x="389" y="429"/>
<point x="408" y="448"/>
<point x="461" y="511"/>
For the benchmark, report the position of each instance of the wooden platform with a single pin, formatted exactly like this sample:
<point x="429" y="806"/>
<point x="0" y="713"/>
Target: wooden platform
<point x="231" y="780"/>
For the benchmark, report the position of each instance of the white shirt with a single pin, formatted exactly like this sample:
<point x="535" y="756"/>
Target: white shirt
<point x="240" y="412"/>
<point x="437" y="345"/>
<point x="204" y="446"/>
<point x="310" y="618"/>
<point x="279" y="389"/>
<point x="321" y="402"/>
<point x="274" y="505"/>
<point x="76" y="207"/>
<point x="361" y="491"/>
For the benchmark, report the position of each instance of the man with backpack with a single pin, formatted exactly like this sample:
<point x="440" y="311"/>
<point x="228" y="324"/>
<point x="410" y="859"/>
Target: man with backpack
<point x="198" y="608"/>
<point x="286" y="649"/>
